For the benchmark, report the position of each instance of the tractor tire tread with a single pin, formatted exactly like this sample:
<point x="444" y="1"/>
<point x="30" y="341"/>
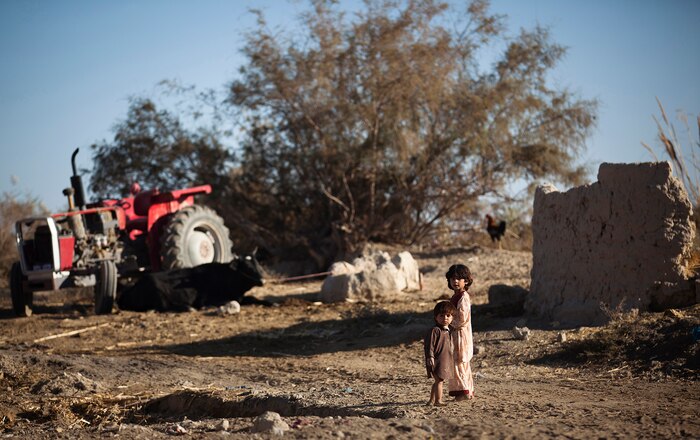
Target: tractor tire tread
<point x="180" y="224"/>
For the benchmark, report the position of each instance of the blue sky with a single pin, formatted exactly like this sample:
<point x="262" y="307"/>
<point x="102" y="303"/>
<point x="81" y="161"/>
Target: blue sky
<point x="69" y="67"/>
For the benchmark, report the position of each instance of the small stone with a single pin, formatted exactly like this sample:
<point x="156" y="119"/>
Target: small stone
<point x="224" y="425"/>
<point x="230" y="308"/>
<point x="270" y="422"/>
<point x="479" y="349"/>
<point x="522" y="334"/>
<point x="561" y="336"/>
<point x="340" y="434"/>
<point x="175" y="429"/>
<point x="428" y="428"/>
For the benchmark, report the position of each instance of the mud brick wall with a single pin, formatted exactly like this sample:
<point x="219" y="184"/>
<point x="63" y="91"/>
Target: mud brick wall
<point x="621" y="241"/>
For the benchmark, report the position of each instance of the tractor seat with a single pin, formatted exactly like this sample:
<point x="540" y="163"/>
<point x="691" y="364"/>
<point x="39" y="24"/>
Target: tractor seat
<point x="140" y="224"/>
<point x="142" y="201"/>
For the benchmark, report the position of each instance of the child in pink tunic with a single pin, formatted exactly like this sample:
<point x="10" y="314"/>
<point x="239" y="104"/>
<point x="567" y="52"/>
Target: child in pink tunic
<point x="461" y="384"/>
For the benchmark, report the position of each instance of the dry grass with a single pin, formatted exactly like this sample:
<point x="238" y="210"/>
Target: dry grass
<point x="686" y="166"/>
<point x="650" y="345"/>
<point x="692" y="265"/>
<point x="686" y="161"/>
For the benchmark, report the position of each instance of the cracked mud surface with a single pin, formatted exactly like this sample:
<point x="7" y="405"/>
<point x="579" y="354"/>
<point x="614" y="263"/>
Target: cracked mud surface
<point x="342" y="370"/>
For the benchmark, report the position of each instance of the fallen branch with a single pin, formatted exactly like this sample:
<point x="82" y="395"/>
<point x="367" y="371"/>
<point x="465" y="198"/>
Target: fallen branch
<point x="128" y="344"/>
<point x="70" y="333"/>
<point x="131" y="343"/>
<point x="618" y="368"/>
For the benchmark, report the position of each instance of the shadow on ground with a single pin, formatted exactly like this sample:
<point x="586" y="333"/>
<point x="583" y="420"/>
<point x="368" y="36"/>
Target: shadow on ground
<point x="369" y="330"/>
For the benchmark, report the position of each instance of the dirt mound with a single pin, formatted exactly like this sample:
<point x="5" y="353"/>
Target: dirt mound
<point x="651" y="345"/>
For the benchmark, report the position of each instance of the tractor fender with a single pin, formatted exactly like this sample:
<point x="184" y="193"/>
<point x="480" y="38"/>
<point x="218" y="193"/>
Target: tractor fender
<point x="178" y="194"/>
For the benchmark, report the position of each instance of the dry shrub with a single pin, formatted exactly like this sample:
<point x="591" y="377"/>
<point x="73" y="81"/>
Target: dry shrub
<point x="692" y="265"/>
<point x="12" y="208"/>
<point x="620" y="313"/>
<point x="686" y="162"/>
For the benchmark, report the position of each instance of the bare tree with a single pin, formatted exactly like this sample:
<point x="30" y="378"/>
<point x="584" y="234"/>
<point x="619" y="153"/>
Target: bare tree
<point x="383" y="126"/>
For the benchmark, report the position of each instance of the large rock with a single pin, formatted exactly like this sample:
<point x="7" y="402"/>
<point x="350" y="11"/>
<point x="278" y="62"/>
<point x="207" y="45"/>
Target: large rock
<point x="621" y="242"/>
<point x="374" y="276"/>
<point x="409" y="274"/>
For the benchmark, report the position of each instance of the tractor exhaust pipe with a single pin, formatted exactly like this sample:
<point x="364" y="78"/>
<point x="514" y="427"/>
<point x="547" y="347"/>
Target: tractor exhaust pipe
<point x="77" y="183"/>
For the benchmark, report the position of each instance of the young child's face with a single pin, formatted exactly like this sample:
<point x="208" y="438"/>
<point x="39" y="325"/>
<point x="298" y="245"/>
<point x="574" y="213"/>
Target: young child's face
<point x="444" y="319"/>
<point x="458" y="284"/>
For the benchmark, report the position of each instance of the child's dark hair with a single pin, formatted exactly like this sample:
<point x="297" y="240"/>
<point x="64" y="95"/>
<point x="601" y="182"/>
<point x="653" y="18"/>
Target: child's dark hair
<point x="444" y="307"/>
<point x="459" y="271"/>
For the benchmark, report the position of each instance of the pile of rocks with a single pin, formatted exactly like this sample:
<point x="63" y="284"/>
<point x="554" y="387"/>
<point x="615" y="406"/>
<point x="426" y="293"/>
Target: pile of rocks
<point x="375" y="276"/>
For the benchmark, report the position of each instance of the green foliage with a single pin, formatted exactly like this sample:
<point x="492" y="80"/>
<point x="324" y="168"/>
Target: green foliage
<point x="151" y="147"/>
<point x="383" y="127"/>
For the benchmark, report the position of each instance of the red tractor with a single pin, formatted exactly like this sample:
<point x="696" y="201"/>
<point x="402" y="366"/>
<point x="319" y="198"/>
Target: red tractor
<point x="96" y="243"/>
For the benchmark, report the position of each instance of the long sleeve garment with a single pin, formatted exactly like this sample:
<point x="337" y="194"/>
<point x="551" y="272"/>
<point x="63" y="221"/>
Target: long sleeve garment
<point x="462" y="382"/>
<point x="438" y="348"/>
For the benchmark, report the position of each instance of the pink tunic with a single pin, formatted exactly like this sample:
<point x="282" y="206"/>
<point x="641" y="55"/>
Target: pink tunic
<point x="462" y="382"/>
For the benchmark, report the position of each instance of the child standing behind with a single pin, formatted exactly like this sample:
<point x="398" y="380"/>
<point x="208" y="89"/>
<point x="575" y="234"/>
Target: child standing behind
<point x="438" y="350"/>
<point x="461" y="385"/>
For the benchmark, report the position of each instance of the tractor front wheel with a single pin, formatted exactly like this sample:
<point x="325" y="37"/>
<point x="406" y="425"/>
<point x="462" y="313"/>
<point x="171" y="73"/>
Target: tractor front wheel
<point x="105" y="287"/>
<point x="195" y="235"/>
<point x="22" y="299"/>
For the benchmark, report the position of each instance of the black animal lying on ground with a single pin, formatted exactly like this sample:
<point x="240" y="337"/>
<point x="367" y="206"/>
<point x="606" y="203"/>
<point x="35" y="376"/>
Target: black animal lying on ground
<point x="211" y="284"/>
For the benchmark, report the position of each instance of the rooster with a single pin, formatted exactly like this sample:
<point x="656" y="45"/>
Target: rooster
<point x="495" y="230"/>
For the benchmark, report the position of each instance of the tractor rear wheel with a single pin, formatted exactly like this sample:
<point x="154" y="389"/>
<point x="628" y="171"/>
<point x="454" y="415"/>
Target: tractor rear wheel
<point x="22" y="299"/>
<point x="195" y="235"/>
<point x="105" y="287"/>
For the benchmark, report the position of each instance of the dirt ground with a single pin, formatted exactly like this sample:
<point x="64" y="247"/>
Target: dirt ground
<point x="349" y="370"/>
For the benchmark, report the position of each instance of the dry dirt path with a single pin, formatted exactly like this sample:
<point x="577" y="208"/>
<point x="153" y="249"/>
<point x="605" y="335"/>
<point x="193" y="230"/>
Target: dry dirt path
<point x="331" y="370"/>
